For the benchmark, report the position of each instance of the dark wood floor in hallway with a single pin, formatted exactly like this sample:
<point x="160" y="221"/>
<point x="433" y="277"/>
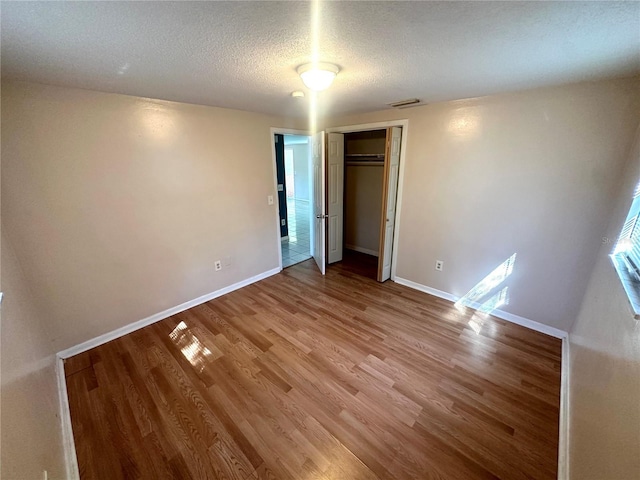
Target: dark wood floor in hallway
<point x="302" y="377"/>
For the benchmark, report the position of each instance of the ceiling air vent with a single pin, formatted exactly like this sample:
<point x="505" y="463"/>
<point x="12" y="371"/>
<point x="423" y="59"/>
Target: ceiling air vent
<point x="411" y="102"/>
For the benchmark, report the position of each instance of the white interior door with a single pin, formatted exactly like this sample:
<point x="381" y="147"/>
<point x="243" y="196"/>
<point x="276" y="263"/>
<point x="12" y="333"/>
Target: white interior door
<point x="336" y="196"/>
<point x="392" y="168"/>
<point x="319" y="184"/>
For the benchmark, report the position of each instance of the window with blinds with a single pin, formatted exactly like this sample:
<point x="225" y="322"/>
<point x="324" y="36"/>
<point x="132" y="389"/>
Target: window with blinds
<point x="628" y="247"/>
<point x="626" y="253"/>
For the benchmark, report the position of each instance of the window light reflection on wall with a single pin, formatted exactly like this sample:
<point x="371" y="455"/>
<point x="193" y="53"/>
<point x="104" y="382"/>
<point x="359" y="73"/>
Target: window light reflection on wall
<point x="487" y="284"/>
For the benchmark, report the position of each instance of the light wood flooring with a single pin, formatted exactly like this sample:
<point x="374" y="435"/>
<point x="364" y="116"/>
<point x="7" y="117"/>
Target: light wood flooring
<point x="302" y="377"/>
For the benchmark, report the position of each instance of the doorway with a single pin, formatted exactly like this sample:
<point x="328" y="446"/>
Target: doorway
<point x="365" y="193"/>
<point x="293" y="166"/>
<point x="364" y="154"/>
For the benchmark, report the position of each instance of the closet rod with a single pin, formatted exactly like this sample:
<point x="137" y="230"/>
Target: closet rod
<point x="365" y="164"/>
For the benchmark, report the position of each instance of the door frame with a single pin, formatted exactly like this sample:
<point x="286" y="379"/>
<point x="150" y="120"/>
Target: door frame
<point x="280" y="131"/>
<point x="404" y="123"/>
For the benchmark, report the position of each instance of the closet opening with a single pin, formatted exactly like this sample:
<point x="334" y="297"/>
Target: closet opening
<point x="363" y="181"/>
<point x="370" y="164"/>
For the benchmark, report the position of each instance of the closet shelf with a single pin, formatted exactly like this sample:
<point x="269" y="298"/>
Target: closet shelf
<point x="365" y="155"/>
<point x="363" y="159"/>
<point x="365" y="163"/>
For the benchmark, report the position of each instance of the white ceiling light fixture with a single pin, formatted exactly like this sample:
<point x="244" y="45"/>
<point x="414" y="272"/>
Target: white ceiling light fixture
<point x="318" y="76"/>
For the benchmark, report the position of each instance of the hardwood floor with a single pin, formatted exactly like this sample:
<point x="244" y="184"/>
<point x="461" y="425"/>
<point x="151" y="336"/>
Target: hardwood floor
<point x="358" y="263"/>
<point x="302" y="377"/>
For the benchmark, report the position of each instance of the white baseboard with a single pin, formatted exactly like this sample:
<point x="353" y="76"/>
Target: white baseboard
<point x="509" y="317"/>
<point x="425" y="289"/>
<point x="563" y="441"/>
<point x="132" y="327"/>
<point x="285" y="238"/>
<point x="362" y="250"/>
<point x="68" y="445"/>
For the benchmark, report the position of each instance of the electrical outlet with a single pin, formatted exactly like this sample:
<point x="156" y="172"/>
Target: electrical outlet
<point x="270" y="199"/>
<point x="218" y="265"/>
<point x="439" y="265"/>
<point x="283" y="222"/>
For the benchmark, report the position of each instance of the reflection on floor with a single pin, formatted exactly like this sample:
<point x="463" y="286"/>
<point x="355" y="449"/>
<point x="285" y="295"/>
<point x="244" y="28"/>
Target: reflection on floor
<point x="298" y="247"/>
<point x="360" y="263"/>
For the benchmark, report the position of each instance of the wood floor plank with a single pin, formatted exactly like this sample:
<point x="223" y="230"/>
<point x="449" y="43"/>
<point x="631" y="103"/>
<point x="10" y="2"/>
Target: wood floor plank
<point x="327" y="378"/>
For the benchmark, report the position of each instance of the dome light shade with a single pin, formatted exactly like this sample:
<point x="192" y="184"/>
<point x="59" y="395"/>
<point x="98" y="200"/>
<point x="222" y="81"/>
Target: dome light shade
<point x="318" y="76"/>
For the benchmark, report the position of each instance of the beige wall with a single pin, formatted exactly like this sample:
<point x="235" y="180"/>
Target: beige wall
<point x="605" y="364"/>
<point x="355" y="145"/>
<point x="532" y="173"/>
<point x="30" y="439"/>
<point x="119" y="206"/>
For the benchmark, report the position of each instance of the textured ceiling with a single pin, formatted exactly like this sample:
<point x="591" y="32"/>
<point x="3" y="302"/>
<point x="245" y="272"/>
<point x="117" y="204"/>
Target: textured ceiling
<point x="244" y="54"/>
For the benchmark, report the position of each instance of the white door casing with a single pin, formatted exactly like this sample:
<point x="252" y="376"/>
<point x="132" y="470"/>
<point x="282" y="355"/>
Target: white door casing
<point x="319" y="184"/>
<point x="392" y="168"/>
<point x="335" y="186"/>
